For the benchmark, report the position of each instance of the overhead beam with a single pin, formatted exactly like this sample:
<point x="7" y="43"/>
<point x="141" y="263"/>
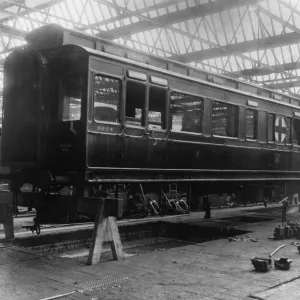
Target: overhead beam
<point x="277" y="69"/>
<point x="287" y="5"/>
<point x="16" y="33"/>
<point x="198" y="11"/>
<point x="5" y="4"/>
<point x="278" y="19"/>
<point x="287" y="67"/>
<point x="238" y="48"/>
<point x="281" y="67"/>
<point x="25" y="9"/>
<point x="127" y="13"/>
<point x="284" y="85"/>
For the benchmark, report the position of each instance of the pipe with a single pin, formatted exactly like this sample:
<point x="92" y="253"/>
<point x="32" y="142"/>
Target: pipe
<point x="189" y="180"/>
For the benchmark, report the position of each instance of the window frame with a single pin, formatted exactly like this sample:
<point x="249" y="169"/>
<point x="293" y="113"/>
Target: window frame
<point x="144" y="109"/>
<point x="61" y="96"/>
<point x="291" y="128"/>
<point x="293" y="120"/>
<point x="120" y="98"/>
<point x="164" y="122"/>
<point x="170" y="115"/>
<point x="255" y="125"/>
<point x="238" y="123"/>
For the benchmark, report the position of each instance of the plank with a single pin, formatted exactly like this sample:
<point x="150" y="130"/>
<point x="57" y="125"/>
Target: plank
<point x="98" y="236"/>
<point x="116" y="245"/>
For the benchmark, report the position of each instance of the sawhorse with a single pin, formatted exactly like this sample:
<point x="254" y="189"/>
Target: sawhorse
<point x="105" y="230"/>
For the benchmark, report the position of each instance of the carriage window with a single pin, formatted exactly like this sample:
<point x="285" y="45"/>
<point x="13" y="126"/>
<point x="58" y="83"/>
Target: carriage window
<point x="107" y="93"/>
<point x="251" y="124"/>
<point x="157" y="107"/>
<point x="71" y="89"/>
<point x="296" y="129"/>
<point x="225" y="119"/>
<point x="135" y="102"/>
<point x="282" y="129"/>
<point x="187" y="113"/>
<point x="271" y="120"/>
<point x="288" y="131"/>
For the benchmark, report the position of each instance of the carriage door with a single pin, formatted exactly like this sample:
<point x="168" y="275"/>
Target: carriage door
<point x="22" y="78"/>
<point x="70" y="130"/>
<point x="104" y="141"/>
<point x="156" y="122"/>
<point x="135" y="131"/>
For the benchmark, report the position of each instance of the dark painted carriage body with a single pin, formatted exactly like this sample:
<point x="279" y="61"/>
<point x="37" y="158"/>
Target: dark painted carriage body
<point x="35" y="136"/>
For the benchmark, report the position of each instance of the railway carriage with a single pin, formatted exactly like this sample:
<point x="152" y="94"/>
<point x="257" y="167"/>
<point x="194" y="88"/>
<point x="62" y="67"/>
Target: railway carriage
<point x="81" y="111"/>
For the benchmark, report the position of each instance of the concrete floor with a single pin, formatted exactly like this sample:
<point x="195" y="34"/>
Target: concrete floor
<point x="160" y="268"/>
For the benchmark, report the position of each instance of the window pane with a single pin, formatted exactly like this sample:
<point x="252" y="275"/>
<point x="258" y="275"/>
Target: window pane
<point x="296" y="135"/>
<point x="225" y="119"/>
<point x="271" y="128"/>
<point x="72" y="94"/>
<point x="157" y="107"/>
<point x="187" y="113"/>
<point x="282" y="129"/>
<point x="107" y="99"/>
<point x="251" y="124"/>
<point x="135" y="103"/>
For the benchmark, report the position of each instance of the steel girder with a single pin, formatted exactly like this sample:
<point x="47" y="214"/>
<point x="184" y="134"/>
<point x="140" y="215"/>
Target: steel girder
<point x="264" y="43"/>
<point x="171" y="33"/>
<point x="284" y="85"/>
<point x="199" y="11"/>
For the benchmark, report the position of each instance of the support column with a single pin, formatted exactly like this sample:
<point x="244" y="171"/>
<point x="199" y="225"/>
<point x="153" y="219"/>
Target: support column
<point x="285" y="189"/>
<point x="189" y="195"/>
<point x="160" y="195"/>
<point x="8" y="221"/>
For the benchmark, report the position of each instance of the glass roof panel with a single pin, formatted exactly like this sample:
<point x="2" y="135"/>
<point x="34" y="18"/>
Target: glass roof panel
<point x="235" y="30"/>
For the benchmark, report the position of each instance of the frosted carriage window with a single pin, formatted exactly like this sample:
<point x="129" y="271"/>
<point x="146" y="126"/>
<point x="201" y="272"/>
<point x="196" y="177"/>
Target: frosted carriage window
<point x="282" y="129"/>
<point x="186" y="112"/>
<point x="71" y="89"/>
<point x="107" y="93"/>
<point x="225" y="119"/>
<point x="251" y="124"/>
